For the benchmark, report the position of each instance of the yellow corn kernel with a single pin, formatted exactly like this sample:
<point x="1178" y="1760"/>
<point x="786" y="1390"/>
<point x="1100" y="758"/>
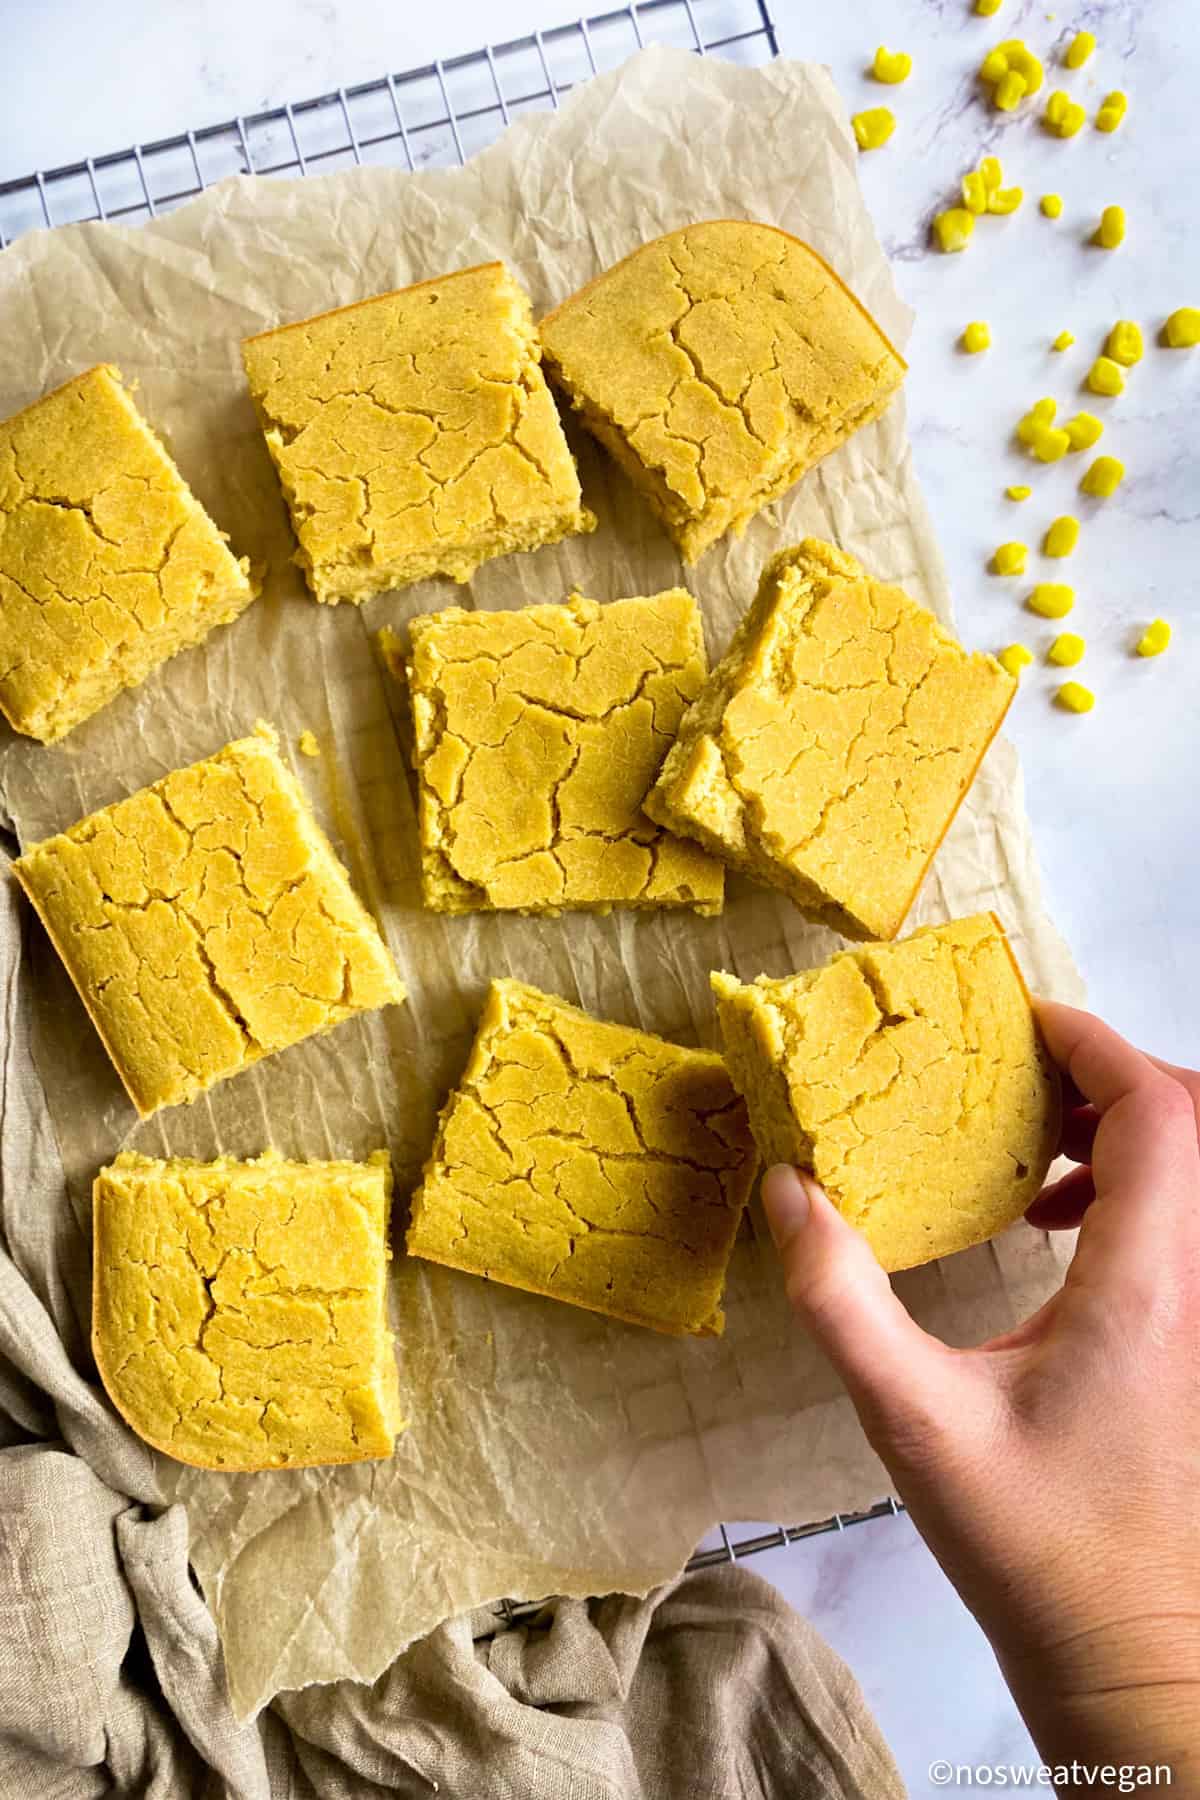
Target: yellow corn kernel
<point x="1051" y="205"/>
<point x="1050" y="443"/>
<point x="1124" y="343"/>
<point x="1182" y="329"/>
<point x="1084" y="430"/>
<point x="1103" y="478"/>
<point x="1009" y="91"/>
<point x="993" y="67"/>
<point x="1018" y="492"/>
<point x="1020" y="57"/>
<point x="985" y="8"/>
<point x="1106" y="377"/>
<point x="1063" y="341"/>
<point x="992" y="173"/>
<point x="1005" y="200"/>
<point x="1111" y="230"/>
<point x="1154" y="639"/>
<point x="1040" y="414"/>
<point x="952" y="229"/>
<point x="873" y="128"/>
<point x="1072" y="696"/>
<point x="1111" y="111"/>
<point x="1079" y="49"/>
<point x="1061" y="536"/>
<point x="1051" y="600"/>
<point x="891" y="66"/>
<point x="1015" y="658"/>
<point x="1066" y="650"/>
<point x="974" y="192"/>
<point x="976" y="336"/>
<point x="1009" y="559"/>
<point x="1063" y="116"/>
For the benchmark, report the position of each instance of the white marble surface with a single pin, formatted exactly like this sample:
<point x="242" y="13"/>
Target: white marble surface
<point x="1113" y="796"/>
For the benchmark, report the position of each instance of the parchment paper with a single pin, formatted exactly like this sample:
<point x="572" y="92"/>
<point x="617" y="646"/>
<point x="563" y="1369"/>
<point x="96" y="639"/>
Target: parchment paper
<point x="549" y="1451"/>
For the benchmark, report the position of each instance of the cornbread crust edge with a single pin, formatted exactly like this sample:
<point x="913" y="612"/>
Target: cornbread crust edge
<point x="779" y="759"/>
<point x="843" y="1069"/>
<point x="331" y="1219"/>
<point x="558" y="1112"/>
<point x="109" y="565"/>
<point x="231" y="1015"/>
<point x="470" y="457"/>
<point x="536" y="735"/>
<point x="772" y="431"/>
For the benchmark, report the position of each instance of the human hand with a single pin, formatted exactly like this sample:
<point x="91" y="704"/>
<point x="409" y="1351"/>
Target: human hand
<point x="1053" y="1471"/>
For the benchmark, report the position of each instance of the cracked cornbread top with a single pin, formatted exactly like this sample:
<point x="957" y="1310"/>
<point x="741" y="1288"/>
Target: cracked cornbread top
<point x="414" y="434"/>
<point x="588" y="1162"/>
<point x="239" y="1311"/>
<point x="717" y="364"/>
<point x="910" y="1078"/>
<point x="108" y="565"/>
<point x="206" y="922"/>
<point x="829" y="750"/>
<point x="537" y="733"/>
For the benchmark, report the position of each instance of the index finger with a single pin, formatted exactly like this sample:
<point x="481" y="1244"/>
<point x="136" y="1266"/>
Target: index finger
<point x="1101" y="1063"/>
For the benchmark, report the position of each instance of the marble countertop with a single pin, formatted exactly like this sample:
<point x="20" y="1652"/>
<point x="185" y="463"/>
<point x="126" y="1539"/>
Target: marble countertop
<point x="1113" y="796"/>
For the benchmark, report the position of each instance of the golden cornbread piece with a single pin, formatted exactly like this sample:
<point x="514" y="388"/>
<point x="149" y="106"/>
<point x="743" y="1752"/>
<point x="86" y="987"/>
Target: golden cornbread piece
<point x="239" y="1309"/>
<point x="207" y="922"/>
<point x="716" y="365"/>
<point x="588" y="1162"/>
<point x="108" y="565"/>
<point x="414" y="434"/>
<point x="537" y="733"/>
<point x="910" y="1079"/>
<point x="829" y="750"/>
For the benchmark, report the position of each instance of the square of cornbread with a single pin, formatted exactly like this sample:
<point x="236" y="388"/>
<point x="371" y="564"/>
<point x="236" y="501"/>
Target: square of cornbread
<point x="536" y="736"/>
<point x="414" y="434"/>
<point x="108" y="564"/>
<point x="207" y="922"/>
<point x="910" y="1079"/>
<point x="239" y="1309"/>
<point x="588" y="1162"/>
<point x="830" y="748"/>
<point x="716" y="365"/>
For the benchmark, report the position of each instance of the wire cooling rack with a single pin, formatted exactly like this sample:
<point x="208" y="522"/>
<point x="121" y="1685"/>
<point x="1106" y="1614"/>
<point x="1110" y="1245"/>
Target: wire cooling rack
<point x="432" y="117"/>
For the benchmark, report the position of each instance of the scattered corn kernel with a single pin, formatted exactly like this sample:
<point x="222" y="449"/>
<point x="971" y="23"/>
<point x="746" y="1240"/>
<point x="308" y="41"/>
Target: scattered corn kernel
<point x="1021" y="58"/>
<point x="1009" y="559"/>
<point x="1061" y="536"/>
<point x="1050" y="443"/>
<point x="1182" y="329"/>
<point x="976" y="336"/>
<point x="985" y="8"/>
<point x="1063" y="116"/>
<point x="1111" y="111"/>
<point x="1066" y="650"/>
<point x="1005" y="200"/>
<point x="1051" y="205"/>
<point x="1019" y="492"/>
<point x="891" y="66"/>
<point x="1015" y="658"/>
<point x="1125" y="343"/>
<point x="1051" y="600"/>
<point x="1154" y="639"/>
<point x="1079" y="49"/>
<point x="1063" y="341"/>
<point x="1103" y="478"/>
<point x="307" y="744"/>
<point x="1084" y="430"/>
<point x="1106" y="377"/>
<point x="953" y="229"/>
<point x="1111" y="230"/>
<point x="993" y="67"/>
<point x="873" y="128"/>
<point x="991" y="171"/>
<point x="1009" y="91"/>
<point x="1072" y="696"/>
<point x="974" y="192"/>
<point x="1040" y="414"/>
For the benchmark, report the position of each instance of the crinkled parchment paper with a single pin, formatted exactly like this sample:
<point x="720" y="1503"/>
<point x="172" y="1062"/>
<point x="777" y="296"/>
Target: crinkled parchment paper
<point x="549" y="1451"/>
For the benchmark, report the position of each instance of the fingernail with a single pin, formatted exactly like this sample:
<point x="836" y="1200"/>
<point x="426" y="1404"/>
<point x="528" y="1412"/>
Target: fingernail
<point x="786" y="1201"/>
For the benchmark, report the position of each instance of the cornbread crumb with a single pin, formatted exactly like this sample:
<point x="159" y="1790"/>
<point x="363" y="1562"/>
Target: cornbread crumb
<point x="829" y="750"/>
<point x="718" y="364"/>
<point x="909" y="1078"/>
<point x="414" y="434"/>
<point x="206" y="922"/>
<point x="307" y="744"/>
<point x="239" y="1311"/>
<point x="588" y="1162"/>
<point x="108" y="564"/>
<point x="537" y="733"/>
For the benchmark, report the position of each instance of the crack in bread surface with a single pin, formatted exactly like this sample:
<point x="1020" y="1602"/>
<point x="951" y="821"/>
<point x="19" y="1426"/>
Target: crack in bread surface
<point x="589" y="1162"/>
<point x="537" y="733"/>
<point x="108" y="564"/>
